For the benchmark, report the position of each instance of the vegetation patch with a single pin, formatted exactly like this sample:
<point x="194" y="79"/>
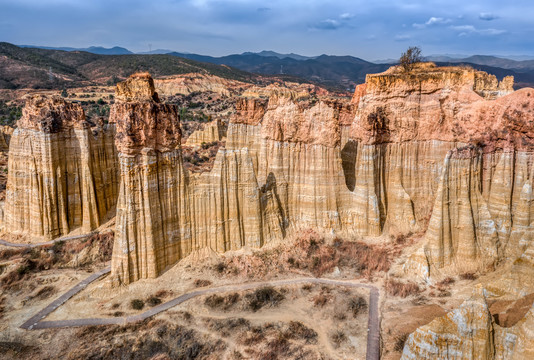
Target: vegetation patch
<point x="401" y="289"/>
<point x="266" y="296"/>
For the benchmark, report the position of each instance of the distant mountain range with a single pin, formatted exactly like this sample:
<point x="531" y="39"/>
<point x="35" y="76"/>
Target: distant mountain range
<point x="116" y="50"/>
<point x="341" y="72"/>
<point x="38" y="68"/>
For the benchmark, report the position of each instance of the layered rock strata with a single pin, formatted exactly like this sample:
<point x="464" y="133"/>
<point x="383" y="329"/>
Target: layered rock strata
<point x="474" y="166"/>
<point x="464" y="333"/>
<point x="283" y="173"/>
<point x="197" y="82"/>
<point x="211" y="132"/>
<point x="471" y="332"/>
<point x="164" y="213"/>
<point x="396" y="158"/>
<point x="62" y="174"/>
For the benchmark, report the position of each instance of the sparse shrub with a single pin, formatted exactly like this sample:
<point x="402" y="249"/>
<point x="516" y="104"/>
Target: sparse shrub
<point x="45" y="292"/>
<point x="338" y="337"/>
<point x="468" y="276"/>
<point x="220" y="267"/>
<point x="357" y="304"/>
<point x="202" y="283"/>
<point x="153" y="301"/>
<point x="307" y="287"/>
<point x="214" y="301"/>
<point x="298" y="330"/>
<point x="115" y="306"/>
<point x="225" y="302"/>
<point x="398" y="288"/>
<point x="320" y="300"/>
<point x="226" y="327"/>
<point x="277" y="348"/>
<point x="137" y="304"/>
<point x="409" y="58"/>
<point x="340" y="315"/>
<point x="118" y="314"/>
<point x="162" y="294"/>
<point x="445" y="282"/>
<point x="266" y="296"/>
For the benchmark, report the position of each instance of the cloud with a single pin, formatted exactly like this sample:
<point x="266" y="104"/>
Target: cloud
<point x="487" y="16"/>
<point x="333" y="24"/>
<point x="432" y="21"/>
<point x="465" y="30"/>
<point x="327" y="24"/>
<point x="402" y="37"/>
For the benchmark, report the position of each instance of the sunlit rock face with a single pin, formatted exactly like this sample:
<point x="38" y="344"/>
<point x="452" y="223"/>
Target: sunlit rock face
<point x="62" y="173"/>
<point x="211" y="132"/>
<point x="250" y="196"/>
<point x="462" y="163"/>
<point x="413" y="150"/>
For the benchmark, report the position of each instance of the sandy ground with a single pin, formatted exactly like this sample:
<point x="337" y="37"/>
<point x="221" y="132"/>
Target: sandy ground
<point x="318" y="307"/>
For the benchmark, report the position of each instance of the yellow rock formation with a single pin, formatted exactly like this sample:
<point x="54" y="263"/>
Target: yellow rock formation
<point x="62" y="174"/>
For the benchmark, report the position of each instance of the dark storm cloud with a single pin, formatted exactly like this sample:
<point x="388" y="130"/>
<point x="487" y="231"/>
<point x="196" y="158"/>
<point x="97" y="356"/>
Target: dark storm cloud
<point x="369" y="29"/>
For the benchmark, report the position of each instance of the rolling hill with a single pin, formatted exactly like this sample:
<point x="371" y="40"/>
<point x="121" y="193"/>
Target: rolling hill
<point x="25" y="67"/>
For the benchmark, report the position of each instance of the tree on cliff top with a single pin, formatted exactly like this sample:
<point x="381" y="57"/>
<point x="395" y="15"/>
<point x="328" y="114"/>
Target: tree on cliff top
<point x="410" y="57"/>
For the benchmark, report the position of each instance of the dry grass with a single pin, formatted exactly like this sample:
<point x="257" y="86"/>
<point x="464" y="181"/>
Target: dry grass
<point x="222" y="302"/>
<point x="398" y="288"/>
<point x="356" y="305"/>
<point x="468" y="276"/>
<point x="202" y="283"/>
<point x="311" y="253"/>
<point x="143" y="340"/>
<point x="265" y="296"/>
<point x="58" y="255"/>
<point x="137" y="304"/>
<point x="338" y="337"/>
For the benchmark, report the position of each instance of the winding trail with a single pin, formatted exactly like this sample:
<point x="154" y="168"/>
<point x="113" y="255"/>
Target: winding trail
<point x="36" y="322"/>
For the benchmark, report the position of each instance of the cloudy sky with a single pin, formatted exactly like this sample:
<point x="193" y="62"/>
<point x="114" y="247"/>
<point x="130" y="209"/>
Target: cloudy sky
<point x="370" y="29"/>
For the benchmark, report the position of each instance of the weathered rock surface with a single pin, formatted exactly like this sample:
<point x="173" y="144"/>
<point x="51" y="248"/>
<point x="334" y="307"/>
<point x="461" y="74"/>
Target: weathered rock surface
<point x="470" y="194"/>
<point x="464" y="333"/>
<point x="471" y="332"/>
<point x="197" y="82"/>
<point x="287" y="174"/>
<point x="395" y="167"/>
<point x="62" y="174"/>
<point x="213" y="131"/>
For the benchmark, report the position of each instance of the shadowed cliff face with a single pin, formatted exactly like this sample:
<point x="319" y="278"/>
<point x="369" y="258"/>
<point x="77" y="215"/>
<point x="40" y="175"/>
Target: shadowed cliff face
<point x="62" y="174"/>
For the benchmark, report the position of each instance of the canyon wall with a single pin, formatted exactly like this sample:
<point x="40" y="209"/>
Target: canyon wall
<point x="62" y="174"/>
<point x="225" y="209"/>
<point x="467" y="173"/>
<point x="211" y="132"/>
<point x="413" y="150"/>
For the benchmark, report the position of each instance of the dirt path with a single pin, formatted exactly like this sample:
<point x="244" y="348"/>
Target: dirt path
<point x="35" y="322"/>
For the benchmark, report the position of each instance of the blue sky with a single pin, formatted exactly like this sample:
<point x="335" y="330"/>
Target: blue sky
<point x="370" y="29"/>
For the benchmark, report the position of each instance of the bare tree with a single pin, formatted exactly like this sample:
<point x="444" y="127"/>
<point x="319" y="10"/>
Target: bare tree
<point x="410" y="57"/>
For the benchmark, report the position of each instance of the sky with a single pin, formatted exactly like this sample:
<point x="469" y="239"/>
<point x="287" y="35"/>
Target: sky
<point x="370" y="29"/>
